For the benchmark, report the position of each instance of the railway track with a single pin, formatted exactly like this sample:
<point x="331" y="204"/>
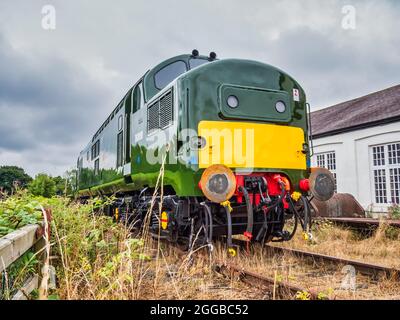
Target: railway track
<point x="368" y="269"/>
<point x="360" y="223"/>
<point x="278" y="288"/>
<point x="287" y="290"/>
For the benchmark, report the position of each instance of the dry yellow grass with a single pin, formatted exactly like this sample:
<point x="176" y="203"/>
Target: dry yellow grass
<point x="383" y="247"/>
<point x="323" y="279"/>
<point x="171" y="274"/>
<point x="100" y="260"/>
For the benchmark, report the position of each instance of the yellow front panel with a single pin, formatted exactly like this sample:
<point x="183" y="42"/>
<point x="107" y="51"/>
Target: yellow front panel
<point x="251" y="145"/>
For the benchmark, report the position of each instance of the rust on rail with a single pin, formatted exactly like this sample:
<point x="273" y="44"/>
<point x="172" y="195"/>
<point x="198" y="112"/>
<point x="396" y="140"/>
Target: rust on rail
<point x="362" y="267"/>
<point x="368" y="269"/>
<point x="282" y="288"/>
<point x="360" y="221"/>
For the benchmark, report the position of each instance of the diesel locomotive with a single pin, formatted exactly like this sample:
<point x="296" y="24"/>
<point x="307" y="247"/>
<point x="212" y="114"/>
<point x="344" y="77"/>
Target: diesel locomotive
<point x="202" y="147"/>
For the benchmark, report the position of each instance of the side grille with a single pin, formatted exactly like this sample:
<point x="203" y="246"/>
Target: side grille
<point x="160" y="114"/>
<point x="166" y="110"/>
<point x="153" y="115"/>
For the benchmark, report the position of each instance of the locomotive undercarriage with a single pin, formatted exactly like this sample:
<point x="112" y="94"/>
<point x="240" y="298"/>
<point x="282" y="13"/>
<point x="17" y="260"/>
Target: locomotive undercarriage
<point x="195" y="221"/>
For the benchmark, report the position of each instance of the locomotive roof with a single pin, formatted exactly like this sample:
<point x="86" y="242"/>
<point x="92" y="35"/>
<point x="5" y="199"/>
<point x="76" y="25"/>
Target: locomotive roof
<point x="373" y="109"/>
<point x="150" y="88"/>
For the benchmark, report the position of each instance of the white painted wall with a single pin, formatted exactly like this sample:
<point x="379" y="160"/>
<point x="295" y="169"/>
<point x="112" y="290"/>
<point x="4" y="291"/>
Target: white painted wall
<point x="353" y="160"/>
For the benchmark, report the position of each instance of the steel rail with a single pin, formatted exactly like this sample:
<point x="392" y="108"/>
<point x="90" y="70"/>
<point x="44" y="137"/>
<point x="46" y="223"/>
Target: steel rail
<point x="368" y="269"/>
<point x="282" y="288"/>
<point x="360" y="222"/>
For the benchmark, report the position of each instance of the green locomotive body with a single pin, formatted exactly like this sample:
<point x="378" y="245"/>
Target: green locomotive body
<point x="188" y="115"/>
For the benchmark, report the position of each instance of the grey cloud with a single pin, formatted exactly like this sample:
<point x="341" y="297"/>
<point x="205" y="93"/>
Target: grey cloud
<point x="47" y="101"/>
<point x="43" y="81"/>
<point x="57" y="87"/>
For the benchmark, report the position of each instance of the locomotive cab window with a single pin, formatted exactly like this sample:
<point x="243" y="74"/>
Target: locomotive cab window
<point x="137" y="98"/>
<point x="169" y="73"/>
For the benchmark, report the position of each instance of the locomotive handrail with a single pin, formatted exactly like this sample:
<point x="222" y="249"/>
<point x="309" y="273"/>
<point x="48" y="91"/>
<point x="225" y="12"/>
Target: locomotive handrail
<point x="310" y="129"/>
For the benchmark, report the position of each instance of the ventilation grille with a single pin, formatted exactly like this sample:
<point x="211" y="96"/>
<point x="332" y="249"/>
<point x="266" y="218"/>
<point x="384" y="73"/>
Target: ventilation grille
<point x="166" y="110"/>
<point x="152" y="117"/>
<point x="160" y="114"/>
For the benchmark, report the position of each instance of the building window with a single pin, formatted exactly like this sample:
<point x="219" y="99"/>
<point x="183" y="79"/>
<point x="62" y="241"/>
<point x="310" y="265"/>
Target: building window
<point x="380" y="186"/>
<point x="328" y="160"/>
<point x="394" y="153"/>
<point x="321" y="160"/>
<point x="378" y="154"/>
<point x="386" y="173"/>
<point x="395" y="185"/>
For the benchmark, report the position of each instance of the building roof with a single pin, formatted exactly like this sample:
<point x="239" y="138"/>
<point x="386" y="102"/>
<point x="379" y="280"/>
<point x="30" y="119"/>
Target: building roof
<point x="371" y="110"/>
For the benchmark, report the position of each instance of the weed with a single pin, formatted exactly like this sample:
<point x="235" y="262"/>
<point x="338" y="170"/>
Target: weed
<point x="18" y="211"/>
<point x="16" y="274"/>
<point x="394" y="211"/>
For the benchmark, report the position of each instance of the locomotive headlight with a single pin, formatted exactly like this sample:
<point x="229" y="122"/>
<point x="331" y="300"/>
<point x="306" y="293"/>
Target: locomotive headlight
<point x="280" y="106"/>
<point x="232" y="101"/>
<point x="218" y="183"/>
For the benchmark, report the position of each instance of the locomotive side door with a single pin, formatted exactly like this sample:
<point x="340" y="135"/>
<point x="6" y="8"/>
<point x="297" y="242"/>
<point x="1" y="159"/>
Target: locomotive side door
<point x="137" y="123"/>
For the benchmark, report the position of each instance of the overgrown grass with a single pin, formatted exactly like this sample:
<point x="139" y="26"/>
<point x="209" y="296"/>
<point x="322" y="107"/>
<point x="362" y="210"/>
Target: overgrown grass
<point x="383" y="247"/>
<point x="96" y="258"/>
<point x="12" y="280"/>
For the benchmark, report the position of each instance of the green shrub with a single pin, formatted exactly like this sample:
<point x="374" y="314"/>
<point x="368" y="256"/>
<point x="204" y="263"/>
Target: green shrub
<point x="394" y="211"/>
<point x="12" y="177"/>
<point x="18" y="211"/>
<point x="43" y="185"/>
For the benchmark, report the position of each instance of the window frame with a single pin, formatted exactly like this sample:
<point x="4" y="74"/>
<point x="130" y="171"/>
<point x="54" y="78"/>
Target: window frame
<point x="158" y="71"/>
<point x="120" y="122"/>
<point x="120" y="152"/>
<point x="385" y="161"/>
<point x="95" y="149"/>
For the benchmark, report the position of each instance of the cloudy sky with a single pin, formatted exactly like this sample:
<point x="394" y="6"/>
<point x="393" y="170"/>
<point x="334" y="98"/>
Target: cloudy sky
<point x="57" y="86"/>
